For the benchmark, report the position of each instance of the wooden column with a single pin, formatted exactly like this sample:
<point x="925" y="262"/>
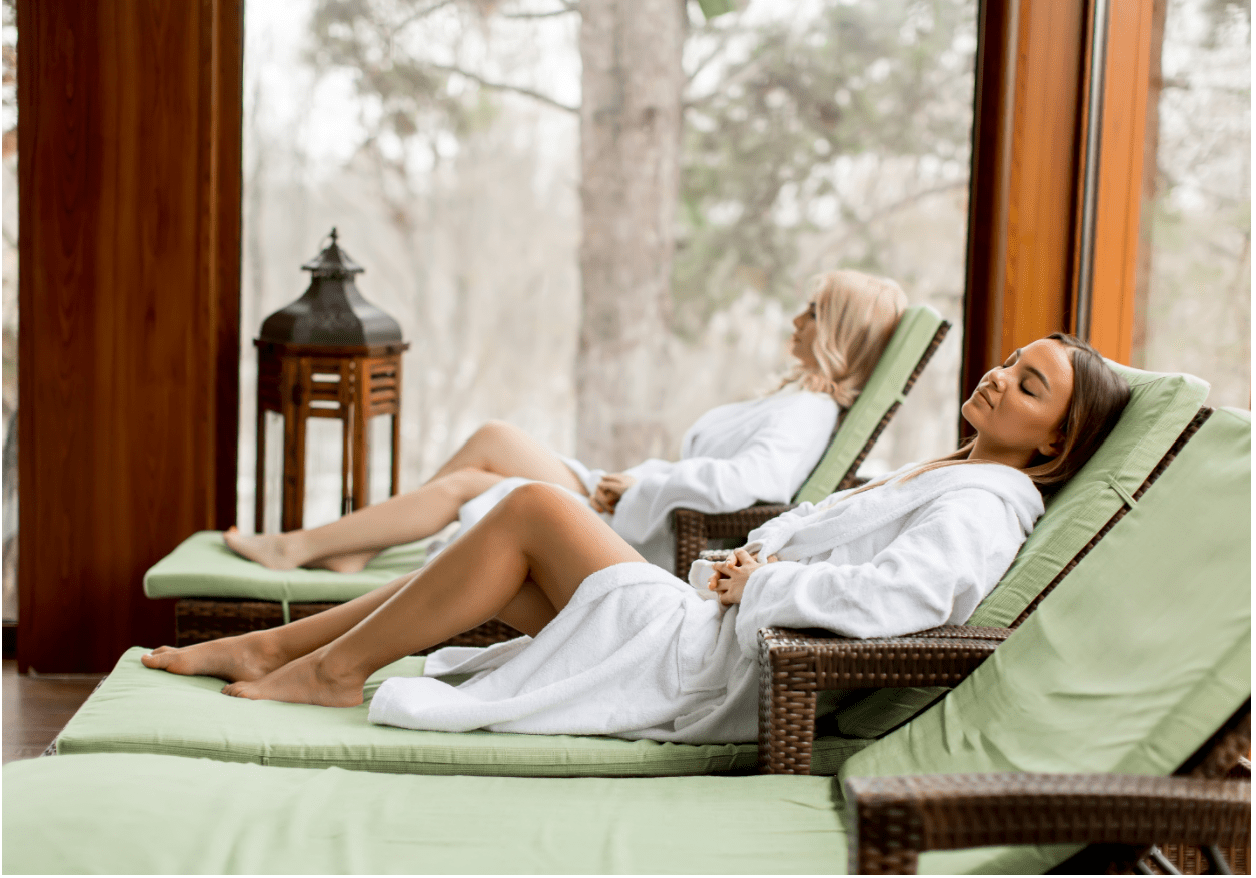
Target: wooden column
<point x="1127" y="71"/>
<point x="129" y="172"/>
<point x="1027" y="137"/>
<point x="1033" y="247"/>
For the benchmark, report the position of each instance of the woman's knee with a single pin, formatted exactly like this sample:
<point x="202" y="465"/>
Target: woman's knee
<point x="466" y="484"/>
<point x="539" y="500"/>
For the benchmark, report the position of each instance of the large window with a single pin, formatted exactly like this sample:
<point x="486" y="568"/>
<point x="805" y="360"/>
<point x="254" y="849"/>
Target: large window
<point x="440" y="140"/>
<point x="1193" y="311"/>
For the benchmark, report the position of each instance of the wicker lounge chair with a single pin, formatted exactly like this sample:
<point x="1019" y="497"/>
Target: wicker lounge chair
<point x="219" y="594"/>
<point x="1137" y="667"/>
<point x="913" y="344"/>
<point x="137" y="710"/>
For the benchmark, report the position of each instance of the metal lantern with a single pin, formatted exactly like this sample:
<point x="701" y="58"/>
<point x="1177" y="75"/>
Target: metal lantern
<point x="329" y="354"/>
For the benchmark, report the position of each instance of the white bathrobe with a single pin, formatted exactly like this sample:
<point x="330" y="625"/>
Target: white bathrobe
<point x="734" y="456"/>
<point x="637" y="653"/>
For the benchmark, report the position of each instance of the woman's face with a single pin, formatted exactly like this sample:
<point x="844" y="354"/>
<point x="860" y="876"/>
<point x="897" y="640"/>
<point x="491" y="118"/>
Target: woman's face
<point x="804" y="337"/>
<point x="1017" y="408"/>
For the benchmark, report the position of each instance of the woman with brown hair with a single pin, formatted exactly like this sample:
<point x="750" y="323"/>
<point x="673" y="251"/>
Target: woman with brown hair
<point x="734" y="456"/>
<point x="619" y="647"/>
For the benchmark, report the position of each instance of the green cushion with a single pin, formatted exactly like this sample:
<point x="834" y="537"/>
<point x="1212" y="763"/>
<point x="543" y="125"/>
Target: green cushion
<point x="1131" y="664"/>
<point x="203" y="567"/>
<point x="138" y="710"/>
<point x="911" y="339"/>
<point x="119" y="814"/>
<point x="1160" y="407"/>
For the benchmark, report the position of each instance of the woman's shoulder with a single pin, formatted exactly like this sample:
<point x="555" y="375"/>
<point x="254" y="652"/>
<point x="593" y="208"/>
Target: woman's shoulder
<point x="962" y="483"/>
<point x="794" y="397"/>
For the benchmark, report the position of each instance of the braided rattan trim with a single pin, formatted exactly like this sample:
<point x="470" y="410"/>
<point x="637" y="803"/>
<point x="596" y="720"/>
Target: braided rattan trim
<point x="694" y="529"/>
<point x="1191" y="429"/>
<point x="849" y="480"/>
<point x="198" y="620"/>
<point x="794" y="665"/>
<point x="893" y="819"/>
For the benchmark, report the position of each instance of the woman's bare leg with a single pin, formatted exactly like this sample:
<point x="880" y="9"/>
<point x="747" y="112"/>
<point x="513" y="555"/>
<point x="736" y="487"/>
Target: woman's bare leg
<point x="538" y="543"/>
<point x="494" y="452"/>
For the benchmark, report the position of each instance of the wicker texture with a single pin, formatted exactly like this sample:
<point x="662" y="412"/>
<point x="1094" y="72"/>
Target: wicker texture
<point x="895" y="818"/>
<point x="199" y="620"/>
<point x="794" y="666"/>
<point x="694" y="529"/>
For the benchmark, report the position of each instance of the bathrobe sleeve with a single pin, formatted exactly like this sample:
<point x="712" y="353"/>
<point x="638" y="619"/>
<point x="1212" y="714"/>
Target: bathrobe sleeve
<point x="949" y="555"/>
<point x="770" y="466"/>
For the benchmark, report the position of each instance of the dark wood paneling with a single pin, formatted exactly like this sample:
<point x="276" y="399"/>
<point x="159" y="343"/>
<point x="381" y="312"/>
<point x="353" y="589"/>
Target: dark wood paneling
<point x="129" y="175"/>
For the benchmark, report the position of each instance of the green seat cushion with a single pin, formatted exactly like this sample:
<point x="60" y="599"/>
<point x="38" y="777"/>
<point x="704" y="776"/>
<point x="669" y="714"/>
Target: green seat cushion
<point x="127" y="814"/>
<point x="1161" y="406"/>
<point x="1134" y="660"/>
<point x="203" y="567"/>
<point x="144" y="814"/>
<point x="916" y="329"/>
<point x="139" y="710"/>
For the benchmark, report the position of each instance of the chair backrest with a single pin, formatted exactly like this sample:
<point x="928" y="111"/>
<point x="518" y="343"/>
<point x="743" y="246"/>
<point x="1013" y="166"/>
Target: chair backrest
<point x="919" y="332"/>
<point x="1161" y="407"/>
<point x="1134" y="661"/>
<point x="1161" y="414"/>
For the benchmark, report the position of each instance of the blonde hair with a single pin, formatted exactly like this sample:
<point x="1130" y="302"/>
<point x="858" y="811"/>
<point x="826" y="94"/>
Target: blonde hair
<point x="1099" y="397"/>
<point x="856" y="314"/>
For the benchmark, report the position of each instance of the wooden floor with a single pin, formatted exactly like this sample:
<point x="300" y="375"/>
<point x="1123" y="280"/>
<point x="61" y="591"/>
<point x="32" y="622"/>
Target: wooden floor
<point x="36" y="707"/>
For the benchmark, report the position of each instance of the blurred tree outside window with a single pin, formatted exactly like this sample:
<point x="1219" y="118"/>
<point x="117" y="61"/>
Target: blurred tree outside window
<point x="1193" y="301"/>
<point x="9" y="185"/>
<point x="442" y="139"/>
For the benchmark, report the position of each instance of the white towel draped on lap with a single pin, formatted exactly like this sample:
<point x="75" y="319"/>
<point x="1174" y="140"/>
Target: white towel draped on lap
<point x="637" y="653"/>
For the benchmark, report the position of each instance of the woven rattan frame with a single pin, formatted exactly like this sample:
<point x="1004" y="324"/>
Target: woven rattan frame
<point x="794" y="666"/>
<point x="199" y="620"/>
<point x="693" y="530"/>
<point x="894" y="819"/>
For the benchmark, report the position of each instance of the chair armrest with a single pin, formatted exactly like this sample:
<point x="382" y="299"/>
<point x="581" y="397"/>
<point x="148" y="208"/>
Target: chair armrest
<point x="795" y="665"/>
<point x="893" y="819"/>
<point x="693" y="529"/>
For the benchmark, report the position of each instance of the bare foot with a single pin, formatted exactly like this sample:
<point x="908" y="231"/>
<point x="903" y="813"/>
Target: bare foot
<point x="270" y="550"/>
<point x="344" y="563"/>
<point x="306" y="680"/>
<point x="243" y="657"/>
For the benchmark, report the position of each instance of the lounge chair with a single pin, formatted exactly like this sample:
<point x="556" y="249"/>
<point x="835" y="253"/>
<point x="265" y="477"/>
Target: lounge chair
<point x="919" y="333"/>
<point x="138" y="710"/>
<point x="1136" y="667"/>
<point x="220" y="593"/>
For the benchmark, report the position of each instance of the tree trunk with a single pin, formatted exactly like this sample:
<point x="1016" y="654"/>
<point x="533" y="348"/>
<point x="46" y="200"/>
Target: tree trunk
<point x="630" y="121"/>
<point x="1150" y="187"/>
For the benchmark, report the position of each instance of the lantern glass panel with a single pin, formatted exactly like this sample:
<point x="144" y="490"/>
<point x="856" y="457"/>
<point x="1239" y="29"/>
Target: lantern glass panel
<point x="381" y="458"/>
<point x="323" y="439"/>
<point x="274" y="472"/>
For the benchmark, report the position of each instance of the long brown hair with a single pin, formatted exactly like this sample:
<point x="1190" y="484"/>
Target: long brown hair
<point x="856" y="314"/>
<point x="1099" y="397"/>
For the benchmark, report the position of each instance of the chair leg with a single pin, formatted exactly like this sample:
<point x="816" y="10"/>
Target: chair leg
<point x="787" y="711"/>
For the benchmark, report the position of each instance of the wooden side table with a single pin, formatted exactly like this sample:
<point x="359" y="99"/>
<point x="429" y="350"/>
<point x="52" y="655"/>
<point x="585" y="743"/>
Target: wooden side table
<point x="351" y="383"/>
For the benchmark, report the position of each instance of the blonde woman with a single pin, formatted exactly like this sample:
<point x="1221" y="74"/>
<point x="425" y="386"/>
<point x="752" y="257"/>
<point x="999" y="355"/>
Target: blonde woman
<point x="734" y="456"/>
